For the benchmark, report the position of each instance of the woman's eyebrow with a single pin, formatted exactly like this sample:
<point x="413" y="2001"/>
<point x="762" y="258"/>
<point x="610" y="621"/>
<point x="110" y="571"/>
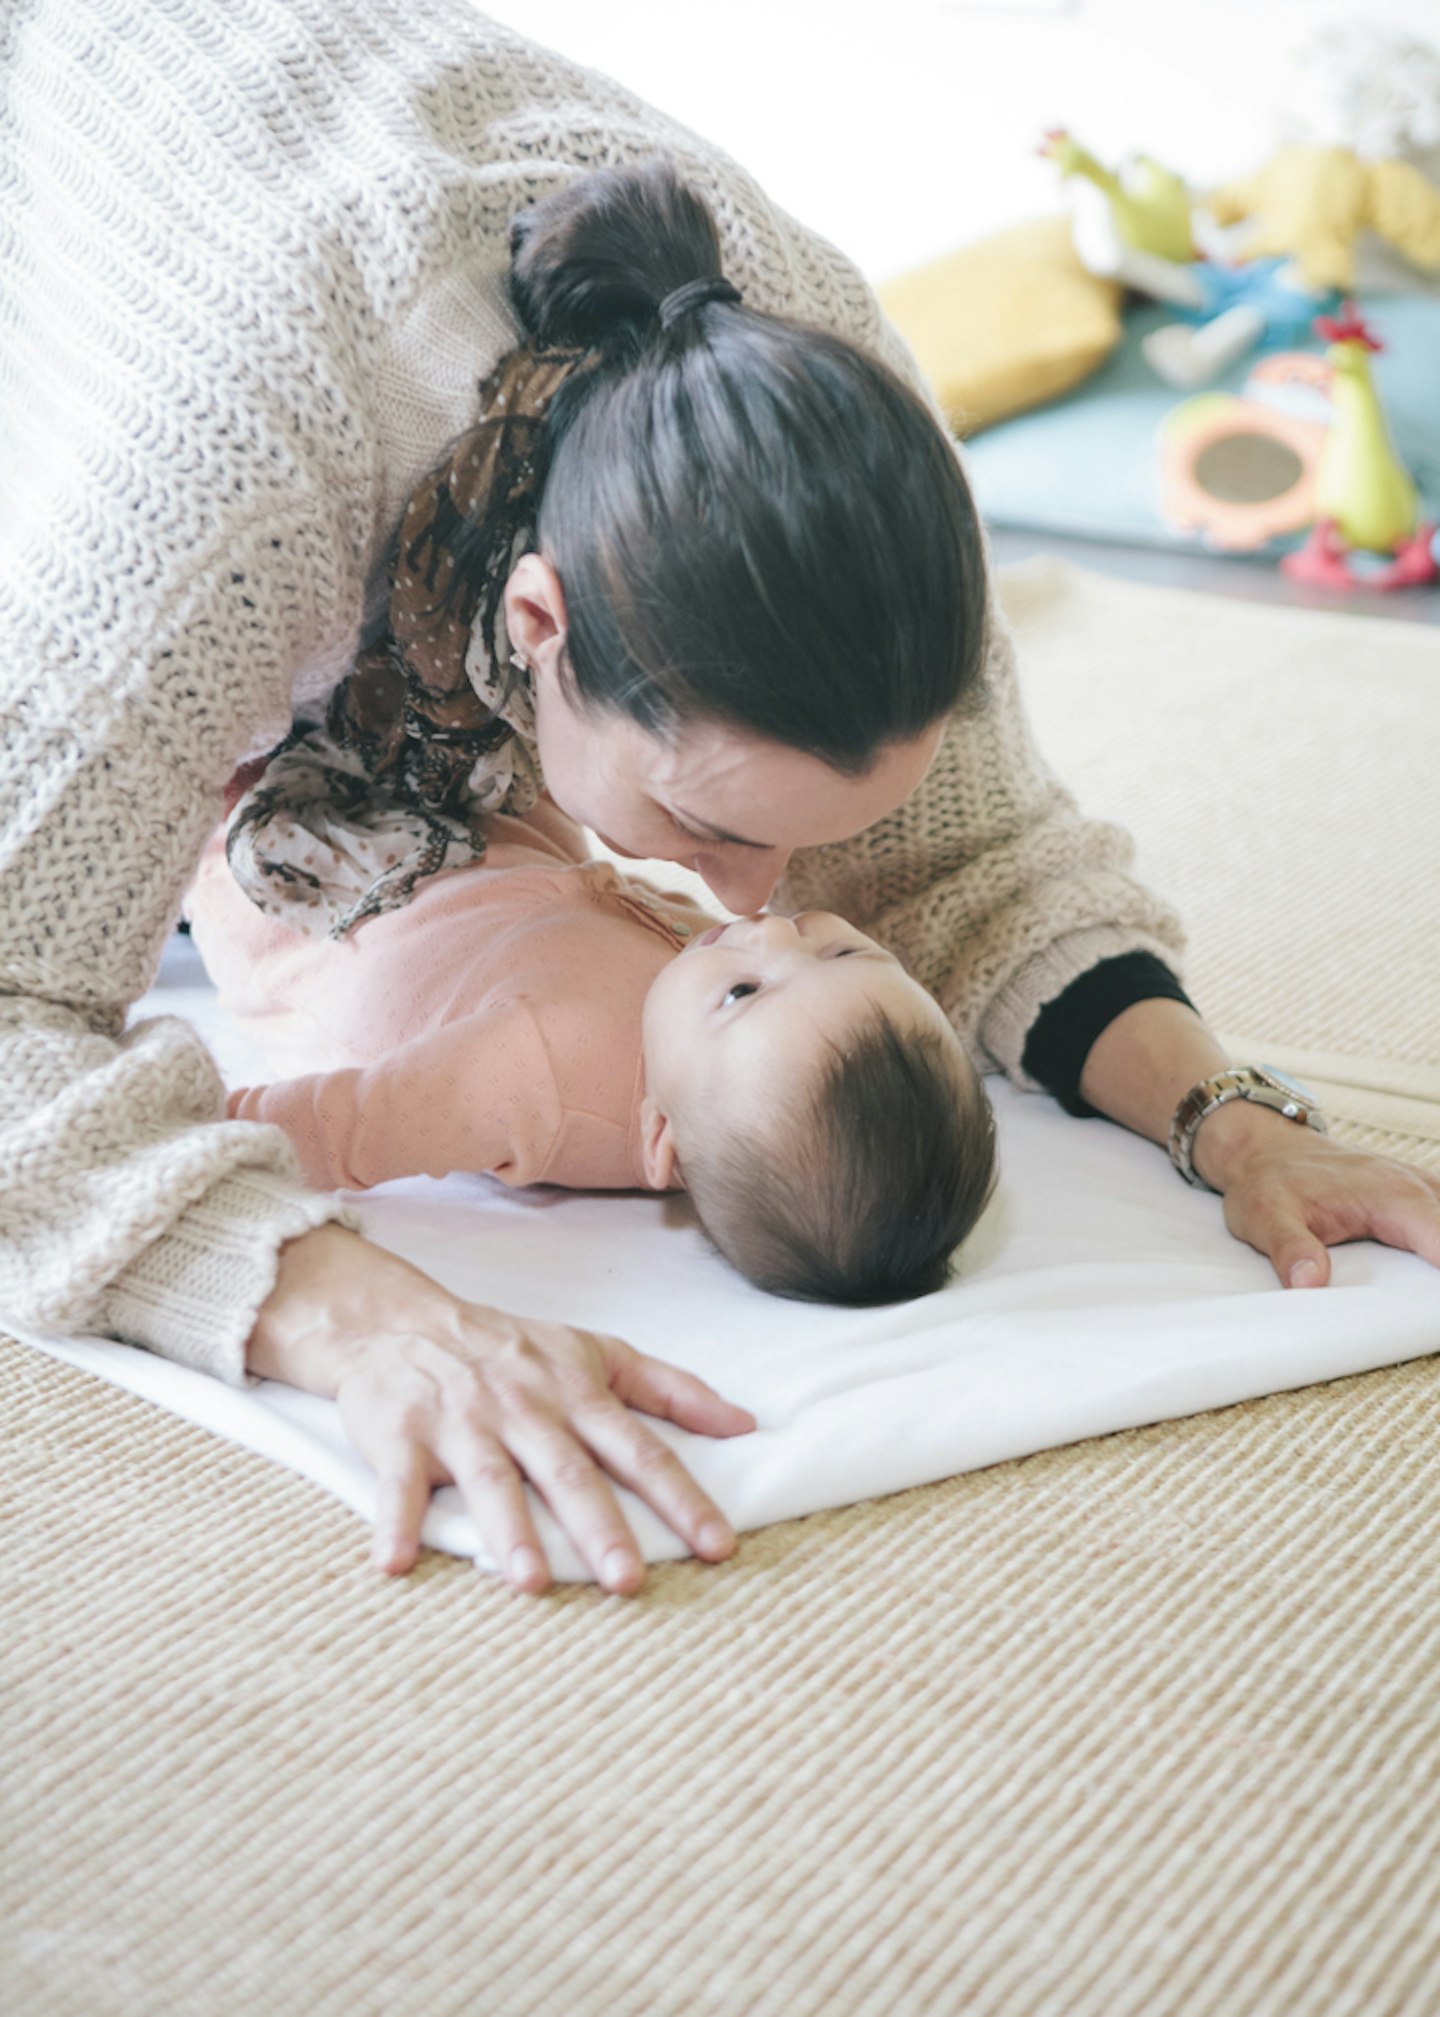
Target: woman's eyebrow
<point x="710" y="832"/>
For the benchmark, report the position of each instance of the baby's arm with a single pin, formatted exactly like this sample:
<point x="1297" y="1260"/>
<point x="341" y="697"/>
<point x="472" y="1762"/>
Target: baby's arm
<point x="477" y="1094"/>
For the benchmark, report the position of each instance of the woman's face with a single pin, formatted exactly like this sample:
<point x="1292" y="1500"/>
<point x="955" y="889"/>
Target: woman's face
<point x="728" y="804"/>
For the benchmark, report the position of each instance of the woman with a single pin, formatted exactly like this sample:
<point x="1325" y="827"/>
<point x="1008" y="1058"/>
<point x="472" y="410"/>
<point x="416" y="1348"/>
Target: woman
<point x="256" y="262"/>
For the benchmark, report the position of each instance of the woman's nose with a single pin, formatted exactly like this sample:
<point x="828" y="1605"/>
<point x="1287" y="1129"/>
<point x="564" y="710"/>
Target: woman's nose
<point x="745" y="885"/>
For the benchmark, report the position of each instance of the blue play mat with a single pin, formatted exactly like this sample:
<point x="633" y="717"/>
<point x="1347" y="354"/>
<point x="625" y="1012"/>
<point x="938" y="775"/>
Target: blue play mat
<point x="1088" y="465"/>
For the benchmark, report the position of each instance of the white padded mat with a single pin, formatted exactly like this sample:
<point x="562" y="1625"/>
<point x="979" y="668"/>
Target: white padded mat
<point x="1094" y="1296"/>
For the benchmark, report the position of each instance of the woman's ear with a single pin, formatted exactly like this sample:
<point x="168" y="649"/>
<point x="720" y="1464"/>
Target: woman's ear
<point x="535" y="612"/>
<point x="657" y="1149"/>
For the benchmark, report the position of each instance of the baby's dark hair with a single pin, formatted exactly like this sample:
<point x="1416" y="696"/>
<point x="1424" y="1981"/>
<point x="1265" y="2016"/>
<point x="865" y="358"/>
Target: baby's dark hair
<point x="754" y="521"/>
<point x="861" y="1193"/>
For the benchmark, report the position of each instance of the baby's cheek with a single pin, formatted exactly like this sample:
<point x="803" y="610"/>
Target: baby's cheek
<point x="658" y="1021"/>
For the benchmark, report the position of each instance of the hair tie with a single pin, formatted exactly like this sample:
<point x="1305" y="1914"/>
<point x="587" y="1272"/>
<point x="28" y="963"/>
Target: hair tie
<point x="694" y="294"/>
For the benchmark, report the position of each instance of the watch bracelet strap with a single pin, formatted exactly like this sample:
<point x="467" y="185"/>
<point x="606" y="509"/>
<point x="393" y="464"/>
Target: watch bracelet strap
<point x="1236" y="1082"/>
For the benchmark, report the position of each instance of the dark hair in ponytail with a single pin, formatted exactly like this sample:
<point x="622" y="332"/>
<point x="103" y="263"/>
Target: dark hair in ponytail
<point x="591" y="264"/>
<point x="753" y="520"/>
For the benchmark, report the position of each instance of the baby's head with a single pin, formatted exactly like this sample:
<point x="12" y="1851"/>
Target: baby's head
<point x="817" y="1105"/>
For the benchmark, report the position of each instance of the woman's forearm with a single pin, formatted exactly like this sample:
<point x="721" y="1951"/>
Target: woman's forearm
<point x="1142" y="1065"/>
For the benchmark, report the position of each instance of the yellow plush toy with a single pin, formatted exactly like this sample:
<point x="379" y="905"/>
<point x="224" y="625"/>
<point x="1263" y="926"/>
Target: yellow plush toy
<point x="1310" y="204"/>
<point x="1005" y="323"/>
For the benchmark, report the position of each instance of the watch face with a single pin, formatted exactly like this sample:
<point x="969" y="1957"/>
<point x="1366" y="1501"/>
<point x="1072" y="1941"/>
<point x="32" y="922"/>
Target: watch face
<point x="1289" y="1085"/>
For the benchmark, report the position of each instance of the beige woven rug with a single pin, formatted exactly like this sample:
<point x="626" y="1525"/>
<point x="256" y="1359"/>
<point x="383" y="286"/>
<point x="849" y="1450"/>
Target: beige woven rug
<point x="1281" y="770"/>
<point x="1150" y="1725"/>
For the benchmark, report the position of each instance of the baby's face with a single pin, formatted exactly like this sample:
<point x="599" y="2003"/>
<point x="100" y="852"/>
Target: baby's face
<point x="747" y="1013"/>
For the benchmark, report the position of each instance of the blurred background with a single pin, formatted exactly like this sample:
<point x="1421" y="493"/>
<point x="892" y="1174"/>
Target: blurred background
<point x="903" y="129"/>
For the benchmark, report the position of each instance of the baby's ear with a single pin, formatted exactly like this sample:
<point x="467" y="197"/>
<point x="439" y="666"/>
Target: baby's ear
<point x="657" y="1149"/>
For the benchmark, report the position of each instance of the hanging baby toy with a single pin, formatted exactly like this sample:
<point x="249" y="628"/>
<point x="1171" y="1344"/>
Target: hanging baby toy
<point x="1138" y="225"/>
<point x="1367" y="528"/>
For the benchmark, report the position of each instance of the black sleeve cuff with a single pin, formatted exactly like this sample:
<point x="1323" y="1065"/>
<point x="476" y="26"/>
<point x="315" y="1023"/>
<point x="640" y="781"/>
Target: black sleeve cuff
<point x="1060" y="1038"/>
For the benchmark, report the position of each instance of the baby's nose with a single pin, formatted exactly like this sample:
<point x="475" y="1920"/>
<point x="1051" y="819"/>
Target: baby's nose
<point x="770" y="928"/>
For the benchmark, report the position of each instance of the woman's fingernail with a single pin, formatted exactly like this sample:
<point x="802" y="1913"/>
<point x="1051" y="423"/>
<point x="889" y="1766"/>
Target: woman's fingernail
<point x="618" y="1567"/>
<point x="714" y="1536"/>
<point x="525" y="1565"/>
<point x="1304" y="1275"/>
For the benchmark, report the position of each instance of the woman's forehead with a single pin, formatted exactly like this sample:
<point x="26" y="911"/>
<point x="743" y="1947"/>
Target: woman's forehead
<point x="768" y="794"/>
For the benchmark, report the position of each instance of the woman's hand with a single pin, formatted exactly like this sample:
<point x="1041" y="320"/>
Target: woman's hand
<point x="1289" y="1191"/>
<point x="1292" y="1193"/>
<point x="436" y="1391"/>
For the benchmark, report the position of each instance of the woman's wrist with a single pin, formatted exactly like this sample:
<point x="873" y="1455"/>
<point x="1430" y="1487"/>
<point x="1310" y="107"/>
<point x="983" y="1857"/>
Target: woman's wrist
<point x="1228" y="1139"/>
<point x="334" y="1294"/>
<point x="1142" y="1065"/>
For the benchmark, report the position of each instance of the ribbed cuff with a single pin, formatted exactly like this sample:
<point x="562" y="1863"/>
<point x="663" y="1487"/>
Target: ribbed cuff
<point x="1013" y="1011"/>
<point x="193" y="1294"/>
<point x="1066" y="1028"/>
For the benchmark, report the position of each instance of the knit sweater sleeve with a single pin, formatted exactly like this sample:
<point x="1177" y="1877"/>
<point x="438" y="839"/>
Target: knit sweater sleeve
<point x="183" y="517"/>
<point x="128" y="1204"/>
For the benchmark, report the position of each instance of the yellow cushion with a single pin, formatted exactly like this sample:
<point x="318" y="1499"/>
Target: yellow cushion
<point x="1005" y="323"/>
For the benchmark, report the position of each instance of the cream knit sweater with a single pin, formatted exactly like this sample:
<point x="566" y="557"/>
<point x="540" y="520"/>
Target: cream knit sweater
<point x="252" y="265"/>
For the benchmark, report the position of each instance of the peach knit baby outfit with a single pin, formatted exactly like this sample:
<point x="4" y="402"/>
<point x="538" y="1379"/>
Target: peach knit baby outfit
<point x="491" y="1024"/>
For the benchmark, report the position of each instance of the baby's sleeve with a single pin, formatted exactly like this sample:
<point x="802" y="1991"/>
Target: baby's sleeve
<point x="477" y="1095"/>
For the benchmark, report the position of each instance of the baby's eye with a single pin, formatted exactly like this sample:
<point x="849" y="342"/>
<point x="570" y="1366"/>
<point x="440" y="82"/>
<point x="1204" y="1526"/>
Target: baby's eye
<point x="740" y="990"/>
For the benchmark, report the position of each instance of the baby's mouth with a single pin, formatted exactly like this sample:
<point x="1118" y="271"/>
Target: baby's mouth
<point x="709" y="937"/>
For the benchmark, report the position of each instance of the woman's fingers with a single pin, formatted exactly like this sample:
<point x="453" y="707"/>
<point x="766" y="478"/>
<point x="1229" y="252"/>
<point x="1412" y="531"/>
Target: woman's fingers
<point x="494" y="1497"/>
<point x="401" y="1500"/>
<point x="658" y="1388"/>
<point x="577" y="1492"/>
<point x="553" y="1436"/>
<point x="491" y="1401"/>
<point x="1413" y="1221"/>
<point x="1293" y="1209"/>
<point x="1298" y="1258"/>
<point x="638" y="1458"/>
<point x="1279" y="1231"/>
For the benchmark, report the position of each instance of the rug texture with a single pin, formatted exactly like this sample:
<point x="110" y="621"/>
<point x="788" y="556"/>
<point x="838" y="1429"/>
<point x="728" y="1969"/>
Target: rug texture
<point x="1146" y="1725"/>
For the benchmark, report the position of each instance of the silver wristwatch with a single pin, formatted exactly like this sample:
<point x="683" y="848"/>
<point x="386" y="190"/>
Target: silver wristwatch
<point x="1261" y="1083"/>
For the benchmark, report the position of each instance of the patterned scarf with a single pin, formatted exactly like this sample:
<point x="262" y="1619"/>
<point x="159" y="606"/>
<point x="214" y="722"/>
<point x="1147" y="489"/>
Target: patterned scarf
<point x="434" y="729"/>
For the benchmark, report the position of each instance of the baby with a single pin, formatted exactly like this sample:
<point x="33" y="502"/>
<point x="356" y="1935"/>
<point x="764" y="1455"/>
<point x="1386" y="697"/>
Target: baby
<point x="541" y="1017"/>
